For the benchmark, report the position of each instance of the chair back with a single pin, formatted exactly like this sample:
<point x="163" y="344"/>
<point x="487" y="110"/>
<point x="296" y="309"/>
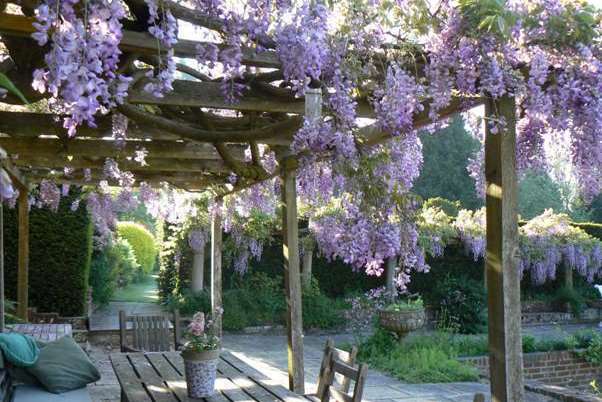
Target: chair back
<point x="179" y="323"/>
<point x="357" y="375"/>
<point x="148" y="333"/>
<point x="331" y="353"/>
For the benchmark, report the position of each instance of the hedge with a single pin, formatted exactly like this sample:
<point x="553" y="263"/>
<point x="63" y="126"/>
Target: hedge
<point x="143" y="243"/>
<point x="60" y="245"/>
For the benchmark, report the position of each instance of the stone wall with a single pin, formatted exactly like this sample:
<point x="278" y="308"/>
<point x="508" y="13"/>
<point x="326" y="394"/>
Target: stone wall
<point x="564" y="368"/>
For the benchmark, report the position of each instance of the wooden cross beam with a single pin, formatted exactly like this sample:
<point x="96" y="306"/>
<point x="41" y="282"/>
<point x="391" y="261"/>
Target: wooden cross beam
<point x="142" y="43"/>
<point x="154" y="164"/>
<point x="49" y="147"/>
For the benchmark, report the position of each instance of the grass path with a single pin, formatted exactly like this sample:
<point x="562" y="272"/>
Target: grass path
<point x="142" y="292"/>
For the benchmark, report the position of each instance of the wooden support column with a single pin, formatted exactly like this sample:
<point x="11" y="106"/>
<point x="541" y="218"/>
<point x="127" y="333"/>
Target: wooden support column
<point x="306" y="266"/>
<point x="216" y="266"/>
<point x="503" y="278"/>
<point x="292" y="277"/>
<point x="391" y="265"/>
<point x="23" y="271"/>
<point x="198" y="270"/>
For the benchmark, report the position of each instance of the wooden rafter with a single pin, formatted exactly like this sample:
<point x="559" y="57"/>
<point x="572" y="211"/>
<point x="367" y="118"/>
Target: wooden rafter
<point x="49" y="147"/>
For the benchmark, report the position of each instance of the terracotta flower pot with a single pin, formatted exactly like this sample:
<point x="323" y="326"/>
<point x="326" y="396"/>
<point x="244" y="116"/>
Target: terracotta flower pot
<point x="201" y="370"/>
<point x="402" y="322"/>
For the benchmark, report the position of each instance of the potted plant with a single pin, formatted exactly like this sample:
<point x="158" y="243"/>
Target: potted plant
<point x="201" y="355"/>
<point x="403" y="316"/>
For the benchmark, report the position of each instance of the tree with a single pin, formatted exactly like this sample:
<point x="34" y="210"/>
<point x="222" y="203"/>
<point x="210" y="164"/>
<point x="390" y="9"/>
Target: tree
<point x="444" y="173"/>
<point x="538" y="192"/>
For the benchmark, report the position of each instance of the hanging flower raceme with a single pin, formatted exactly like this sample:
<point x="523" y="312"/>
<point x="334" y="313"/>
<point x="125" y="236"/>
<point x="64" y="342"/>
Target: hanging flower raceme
<point x="197" y="238"/>
<point x="164" y="27"/>
<point x="81" y="65"/>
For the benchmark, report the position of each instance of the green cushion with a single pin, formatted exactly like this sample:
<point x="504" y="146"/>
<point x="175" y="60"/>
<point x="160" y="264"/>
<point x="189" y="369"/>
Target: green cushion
<point x="63" y="366"/>
<point x="18" y="349"/>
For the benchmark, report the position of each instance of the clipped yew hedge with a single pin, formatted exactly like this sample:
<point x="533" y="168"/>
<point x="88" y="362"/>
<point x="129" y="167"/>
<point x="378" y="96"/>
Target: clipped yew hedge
<point x="60" y="250"/>
<point x="143" y="243"/>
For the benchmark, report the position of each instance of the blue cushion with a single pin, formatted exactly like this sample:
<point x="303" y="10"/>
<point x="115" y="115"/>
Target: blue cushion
<point x="20" y="350"/>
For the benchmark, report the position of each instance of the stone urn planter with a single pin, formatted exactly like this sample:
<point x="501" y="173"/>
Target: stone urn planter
<point x="402" y="321"/>
<point x="201" y="370"/>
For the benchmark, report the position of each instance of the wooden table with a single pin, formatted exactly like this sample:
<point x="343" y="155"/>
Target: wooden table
<point x="159" y="377"/>
<point x="44" y="332"/>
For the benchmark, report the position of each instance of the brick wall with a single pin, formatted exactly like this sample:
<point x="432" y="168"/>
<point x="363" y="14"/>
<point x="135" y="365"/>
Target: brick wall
<point x="565" y="368"/>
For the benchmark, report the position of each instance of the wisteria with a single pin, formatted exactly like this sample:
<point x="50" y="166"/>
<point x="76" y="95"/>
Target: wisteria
<point x="81" y="66"/>
<point x="362" y="53"/>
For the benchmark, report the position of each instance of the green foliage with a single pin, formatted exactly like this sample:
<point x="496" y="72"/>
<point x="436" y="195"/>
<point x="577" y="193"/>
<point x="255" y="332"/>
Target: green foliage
<point x="593" y="353"/>
<point x="7" y="84"/>
<point x="538" y="192"/>
<point x="460" y="301"/>
<point x="140" y="215"/>
<point x="444" y="173"/>
<point x="320" y="311"/>
<point x="190" y="303"/>
<point x="591" y="228"/>
<point x="143" y="243"/>
<point x="60" y="245"/>
<point x="406" y="305"/>
<point x="416" y="360"/>
<point x="451" y="208"/>
<point x="569" y="296"/>
<point x="112" y="267"/>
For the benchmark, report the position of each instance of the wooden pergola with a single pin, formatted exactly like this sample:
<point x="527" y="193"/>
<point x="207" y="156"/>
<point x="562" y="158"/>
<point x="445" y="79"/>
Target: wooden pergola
<point x="196" y="140"/>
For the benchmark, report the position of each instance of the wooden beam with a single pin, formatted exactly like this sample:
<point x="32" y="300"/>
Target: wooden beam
<point x="292" y="278"/>
<point x="23" y="264"/>
<point x="503" y="277"/>
<point x="154" y="164"/>
<point x="210" y="95"/>
<point x="216" y="267"/>
<point x="109" y="149"/>
<point x="142" y="42"/>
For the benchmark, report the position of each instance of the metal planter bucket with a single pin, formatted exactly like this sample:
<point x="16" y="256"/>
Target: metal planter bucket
<point x="201" y="370"/>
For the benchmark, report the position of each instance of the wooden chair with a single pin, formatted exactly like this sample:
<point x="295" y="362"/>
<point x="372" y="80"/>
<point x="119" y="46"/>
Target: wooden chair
<point x="178" y="331"/>
<point x="148" y="333"/>
<point x="333" y="354"/>
<point x="355" y="374"/>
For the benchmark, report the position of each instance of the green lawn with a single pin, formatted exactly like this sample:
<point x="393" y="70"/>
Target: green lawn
<point x="141" y="292"/>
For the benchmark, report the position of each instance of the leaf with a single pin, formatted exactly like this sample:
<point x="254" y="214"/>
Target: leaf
<point x="7" y="84"/>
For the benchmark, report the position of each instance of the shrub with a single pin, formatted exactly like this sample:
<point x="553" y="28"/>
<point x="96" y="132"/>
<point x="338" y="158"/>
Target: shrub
<point x="418" y="359"/>
<point x="60" y="245"/>
<point x="460" y="301"/>
<point x="143" y="243"/>
<point x="112" y="267"/>
<point x="103" y="278"/>
<point x="190" y="303"/>
<point x="565" y="296"/>
<point x="320" y="311"/>
<point x="593" y="353"/>
<point x="451" y="208"/>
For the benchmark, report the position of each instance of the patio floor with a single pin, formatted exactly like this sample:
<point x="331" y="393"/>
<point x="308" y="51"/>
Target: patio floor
<point x="267" y="353"/>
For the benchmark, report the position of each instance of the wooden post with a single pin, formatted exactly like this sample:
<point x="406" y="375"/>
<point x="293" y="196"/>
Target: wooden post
<point x="292" y="277"/>
<point x="503" y="278"/>
<point x="198" y="270"/>
<point x="306" y="266"/>
<point x="390" y="278"/>
<point x="216" y="266"/>
<point x="23" y="272"/>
